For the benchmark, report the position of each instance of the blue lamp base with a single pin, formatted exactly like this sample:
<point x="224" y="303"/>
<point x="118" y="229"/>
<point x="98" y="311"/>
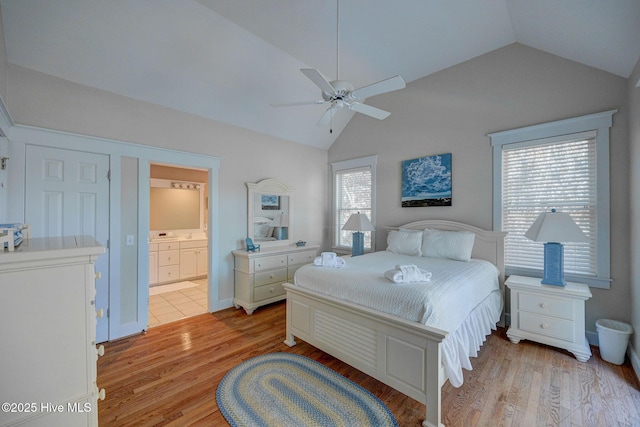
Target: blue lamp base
<point x="553" y="264"/>
<point x="282" y="233"/>
<point x="357" y="247"/>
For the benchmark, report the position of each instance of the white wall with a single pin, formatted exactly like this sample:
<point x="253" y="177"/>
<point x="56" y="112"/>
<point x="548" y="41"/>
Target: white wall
<point x="634" y="179"/>
<point x="44" y="101"/>
<point x="453" y="110"/>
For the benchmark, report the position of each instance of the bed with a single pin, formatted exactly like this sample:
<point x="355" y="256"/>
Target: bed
<point x="402" y="349"/>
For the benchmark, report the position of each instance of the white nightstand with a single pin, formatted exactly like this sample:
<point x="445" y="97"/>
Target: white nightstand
<point x="552" y="315"/>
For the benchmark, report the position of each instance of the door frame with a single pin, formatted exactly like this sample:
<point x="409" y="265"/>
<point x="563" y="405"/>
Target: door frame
<point x="19" y="136"/>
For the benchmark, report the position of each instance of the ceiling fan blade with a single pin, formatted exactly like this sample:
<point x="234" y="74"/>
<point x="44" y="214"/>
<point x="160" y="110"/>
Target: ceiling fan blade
<point x="369" y="110"/>
<point x="316" y="77"/>
<point x="293" y="104"/>
<point x="383" y="86"/>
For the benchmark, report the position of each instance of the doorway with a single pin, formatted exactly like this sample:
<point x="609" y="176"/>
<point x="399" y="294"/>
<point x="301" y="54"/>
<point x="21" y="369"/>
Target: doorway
<point x="178" y="248"/>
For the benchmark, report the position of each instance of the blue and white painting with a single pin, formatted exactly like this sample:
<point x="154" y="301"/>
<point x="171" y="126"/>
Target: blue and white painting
<point x="426" y="181"/>
<point x="270" y="202"/>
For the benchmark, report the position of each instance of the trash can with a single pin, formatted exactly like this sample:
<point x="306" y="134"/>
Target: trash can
<point x="614" y="338"/>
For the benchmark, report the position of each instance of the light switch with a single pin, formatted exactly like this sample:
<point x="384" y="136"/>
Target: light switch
<point x="130" y="240"/>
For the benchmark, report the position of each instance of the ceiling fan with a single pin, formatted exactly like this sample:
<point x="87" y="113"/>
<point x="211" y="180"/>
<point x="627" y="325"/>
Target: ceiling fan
<point x="340" y="94"/>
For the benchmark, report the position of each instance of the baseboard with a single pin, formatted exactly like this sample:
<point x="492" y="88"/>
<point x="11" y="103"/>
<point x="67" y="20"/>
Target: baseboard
<point x="223" y="304"/>
<point x="635" y="361"/>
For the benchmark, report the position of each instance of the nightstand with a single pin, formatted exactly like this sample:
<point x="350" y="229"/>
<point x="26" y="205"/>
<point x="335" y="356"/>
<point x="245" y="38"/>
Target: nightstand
<point x="552" y="315"/>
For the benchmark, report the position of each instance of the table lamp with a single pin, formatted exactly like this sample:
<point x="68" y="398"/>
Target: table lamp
<point x="552" y="228"/>
<point x="358" y="223"/>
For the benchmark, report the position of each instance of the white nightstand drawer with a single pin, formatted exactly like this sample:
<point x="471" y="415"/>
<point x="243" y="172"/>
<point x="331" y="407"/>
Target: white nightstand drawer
<point x="270" y="262"/>
<point x="273" y="276"/>
<point x="305" y="257"/>
<point x="547" y="326"/>
<point x="268" y="291"/>
<point x="546" y="305"/>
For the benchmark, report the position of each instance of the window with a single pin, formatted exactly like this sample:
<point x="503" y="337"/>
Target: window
<point x="353" y="192"/>
<point x="562" y="165"/>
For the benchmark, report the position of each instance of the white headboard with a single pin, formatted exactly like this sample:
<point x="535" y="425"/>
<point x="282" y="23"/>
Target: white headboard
<point x="488" y="245"/>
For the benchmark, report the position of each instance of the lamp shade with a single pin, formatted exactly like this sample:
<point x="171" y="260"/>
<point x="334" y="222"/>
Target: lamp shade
<point x="281" y="220"/>
<point x="358" y="222"/>
<point x="555" y="227"/>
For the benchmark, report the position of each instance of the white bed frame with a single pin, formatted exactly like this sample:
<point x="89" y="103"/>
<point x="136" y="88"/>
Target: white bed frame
<point x="402" y="354"/>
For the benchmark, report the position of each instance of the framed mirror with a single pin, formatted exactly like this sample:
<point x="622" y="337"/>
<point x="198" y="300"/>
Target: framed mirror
<point x="269" y="216"/>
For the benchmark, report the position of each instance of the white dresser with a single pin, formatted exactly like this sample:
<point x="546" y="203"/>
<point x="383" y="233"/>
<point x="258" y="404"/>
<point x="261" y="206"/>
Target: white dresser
<point x="48" y="326"/>
<point x="259" y="275"/>
<point x="552" y="315"/>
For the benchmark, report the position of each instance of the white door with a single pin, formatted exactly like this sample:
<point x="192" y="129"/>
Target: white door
<point x="67" y="194"/>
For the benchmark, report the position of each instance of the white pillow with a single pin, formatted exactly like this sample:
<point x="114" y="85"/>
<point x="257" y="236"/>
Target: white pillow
<point x="405" y="242"/>
<point x="260" y="230"/>
<point x="456" y="245"/>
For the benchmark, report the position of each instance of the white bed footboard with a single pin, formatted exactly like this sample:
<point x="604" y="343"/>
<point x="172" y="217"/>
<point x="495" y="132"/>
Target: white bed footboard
<point x="402" y="354"/>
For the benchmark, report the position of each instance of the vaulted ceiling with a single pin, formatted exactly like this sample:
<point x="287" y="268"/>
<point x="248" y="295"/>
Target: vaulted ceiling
<point x="228" y="60"/>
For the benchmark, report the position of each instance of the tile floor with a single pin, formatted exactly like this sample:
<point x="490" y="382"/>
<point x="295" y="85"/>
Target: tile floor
<point x="176" y="305"/>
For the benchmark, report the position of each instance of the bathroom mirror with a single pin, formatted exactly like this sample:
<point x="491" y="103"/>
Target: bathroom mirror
<point x="269" y="216"/>
<point x="176" y="206"/>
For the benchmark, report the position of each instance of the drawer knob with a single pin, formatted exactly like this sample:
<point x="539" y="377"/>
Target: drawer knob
<point x="544" y="305"/>
<point x="101" y="350"/>
<point x="544" y="326"/>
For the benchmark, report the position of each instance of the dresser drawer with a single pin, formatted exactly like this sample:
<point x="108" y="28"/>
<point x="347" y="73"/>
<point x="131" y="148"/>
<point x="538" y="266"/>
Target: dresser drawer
<point x="168" y="273"/>
<point x="273" y="276"/>
<point x="168" y="258"/>
<point x="268" y="291"/>
<point x="269" y="262"/>
<point x="546" y="305"/>
<point x="547" y="326"/>
<point x="305" y="257"/>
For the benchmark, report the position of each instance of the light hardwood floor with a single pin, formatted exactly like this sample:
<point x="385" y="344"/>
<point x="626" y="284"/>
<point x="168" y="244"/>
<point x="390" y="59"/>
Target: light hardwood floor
<point x="169" y="377"/>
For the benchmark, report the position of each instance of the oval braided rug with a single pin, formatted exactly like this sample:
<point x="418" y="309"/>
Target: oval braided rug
<point x="283" y="389"/>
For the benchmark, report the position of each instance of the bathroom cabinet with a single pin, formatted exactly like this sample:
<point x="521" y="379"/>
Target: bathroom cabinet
<point x="179" y="259"/>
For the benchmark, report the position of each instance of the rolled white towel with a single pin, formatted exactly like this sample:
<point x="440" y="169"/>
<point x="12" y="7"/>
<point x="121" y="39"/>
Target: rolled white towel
<point x="329" y="259"/>
<point x="407" y="274"/>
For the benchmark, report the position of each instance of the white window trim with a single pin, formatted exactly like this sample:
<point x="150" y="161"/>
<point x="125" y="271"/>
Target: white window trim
<point x="599" y="122"/>
<point x="361" y="162"/>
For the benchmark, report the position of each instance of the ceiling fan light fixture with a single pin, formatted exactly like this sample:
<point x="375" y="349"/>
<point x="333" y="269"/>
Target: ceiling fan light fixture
<point x="339" y="93"/>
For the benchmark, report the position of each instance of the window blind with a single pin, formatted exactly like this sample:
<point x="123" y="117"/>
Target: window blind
<point x="539" y="177"/>
<point x="353" y="194"/>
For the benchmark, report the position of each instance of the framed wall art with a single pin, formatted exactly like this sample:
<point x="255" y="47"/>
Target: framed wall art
<point x="426" y="181"/>
<point x="270" y="202"/>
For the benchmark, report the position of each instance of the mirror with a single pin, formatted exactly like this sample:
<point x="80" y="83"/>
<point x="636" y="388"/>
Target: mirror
<point x="269" y="216"/>
<point x="176" y="206"/>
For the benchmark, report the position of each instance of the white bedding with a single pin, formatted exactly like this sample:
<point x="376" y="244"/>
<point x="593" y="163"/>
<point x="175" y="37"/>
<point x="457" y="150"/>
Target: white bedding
<point x="456" y="290"/>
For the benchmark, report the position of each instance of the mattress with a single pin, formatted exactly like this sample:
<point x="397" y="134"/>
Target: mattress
<point x="462" y="298"/>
